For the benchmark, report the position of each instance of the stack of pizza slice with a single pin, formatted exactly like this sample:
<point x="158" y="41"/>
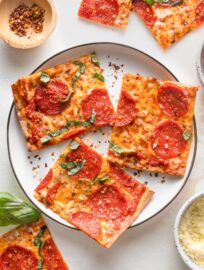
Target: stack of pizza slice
<point x="152" y="130"/>
<point x="168" y="20"/>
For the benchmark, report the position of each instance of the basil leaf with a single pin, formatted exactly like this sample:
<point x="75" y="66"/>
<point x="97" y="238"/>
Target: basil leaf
<point x="79" y="72"/>
<point x="52" y="134"/>
<point x="99" y="180"/>
<point x="74" y="145"/>
<point x="77" y="169"/>
<point x="116" y="148"/>
<point x="92" y="118"/>
<point x="68" y="97"/>
<point x="39" y="235"/>
<point x="44" y="77"/>
<point x="69" y="165"/>
<point x="94" y="59"/>
<point x="40" y="264"/>
<point x="186" y="135"/>
<point x="41" y="245"/>
<point x="14" y="211"/>
<point x="98" y="76"/>
<point x="75" y="123"/>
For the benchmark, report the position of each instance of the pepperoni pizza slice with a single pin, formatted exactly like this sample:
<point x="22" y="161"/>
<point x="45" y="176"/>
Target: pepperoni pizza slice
<point x="153" y="126"/>
<point x="94" y="195"/>
<point x="30" y="247"/>
<point x="169" y="20"/>
<point x="62" y="102"/>
<point x="106" y="12"/>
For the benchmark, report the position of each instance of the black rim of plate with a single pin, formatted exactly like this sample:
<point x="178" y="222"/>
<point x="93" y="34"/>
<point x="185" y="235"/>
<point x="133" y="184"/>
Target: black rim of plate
<point x="81" y="46"/>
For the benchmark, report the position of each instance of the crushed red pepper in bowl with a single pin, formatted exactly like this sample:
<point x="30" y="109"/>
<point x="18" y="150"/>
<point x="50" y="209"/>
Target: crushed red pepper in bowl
<point x="24" y="18"/>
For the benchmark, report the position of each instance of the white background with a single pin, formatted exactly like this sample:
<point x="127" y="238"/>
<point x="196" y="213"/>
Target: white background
<point x="151" y="245"/>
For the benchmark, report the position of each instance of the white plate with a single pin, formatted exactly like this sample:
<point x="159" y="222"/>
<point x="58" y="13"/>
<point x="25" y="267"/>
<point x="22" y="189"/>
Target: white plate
<point x="129" y="60"/>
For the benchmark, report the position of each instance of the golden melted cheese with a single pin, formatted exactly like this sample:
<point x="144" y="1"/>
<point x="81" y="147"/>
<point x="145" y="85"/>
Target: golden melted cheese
<point x="136" y="136"/>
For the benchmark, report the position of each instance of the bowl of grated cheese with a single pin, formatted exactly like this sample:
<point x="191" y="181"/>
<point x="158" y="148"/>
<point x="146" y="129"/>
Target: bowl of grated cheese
<point x="189" y="232"/>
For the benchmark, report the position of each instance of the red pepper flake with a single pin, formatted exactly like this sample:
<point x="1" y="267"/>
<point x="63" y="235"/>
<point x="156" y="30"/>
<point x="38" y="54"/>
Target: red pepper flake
<point x="23" y="18"/>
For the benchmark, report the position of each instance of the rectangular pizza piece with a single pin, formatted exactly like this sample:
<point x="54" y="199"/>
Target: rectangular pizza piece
<point x="153" y="127"/>
<point x="62" y="102"/>
<point x="170" y="20"/>
<point x="30" y="247"/>
<point x="94" y="195"/>
<point x="107" y="12"/>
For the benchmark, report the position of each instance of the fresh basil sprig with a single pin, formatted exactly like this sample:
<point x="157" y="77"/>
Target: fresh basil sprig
<point x="79" y="72"/>
<point x="169" y="2"/>
<point x="44" y="77"/>
<point x="94" y="59"/>
<point x="40" y="244"/>
<point x="72" y="123"/>
<point x="98" y="77"/>
<point x="73" y="167"/>
<point x="14" y="211"/>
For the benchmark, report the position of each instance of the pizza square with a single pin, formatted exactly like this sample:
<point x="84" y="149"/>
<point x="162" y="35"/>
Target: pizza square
<point x="153" y="127"/>
<point x="94" y="195"/>
<point x="30" y="247"/>
<point x="170" y="20"/>
<point x="107" y="12"/>
<point x="62" y="102"/>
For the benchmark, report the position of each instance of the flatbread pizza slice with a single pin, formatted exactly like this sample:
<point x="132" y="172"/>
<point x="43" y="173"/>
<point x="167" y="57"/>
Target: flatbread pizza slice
<point x="154" y="125"/>
<point x="30" y="247"/>
<point x="62" y="102"/>
<point x="94" y="195"/>
<point x="107" y="12"/>
<point x="170" y="20"/>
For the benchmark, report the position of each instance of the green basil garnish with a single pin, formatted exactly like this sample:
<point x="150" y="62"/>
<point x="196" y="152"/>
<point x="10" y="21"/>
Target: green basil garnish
<point x="68" y="97"/>
<point x="79" y="72"/>
<point x="94" y="59"/>
<point x="69" y="165"/>
<point x="117" y="149"/>
<point x="77" y="168"/>
<point x="98" y="76"/>
<point x="186" y="135"/>
<point x="169" y="2"/>
<point x="99" y="180"/>
<point x="40" y="264"/>
<point x="74" y="145"/>
<point x="44" y="77"/>
<point x="72" y="123"/>
<point x="14" y="211"/>
<point x="39" y="235"/>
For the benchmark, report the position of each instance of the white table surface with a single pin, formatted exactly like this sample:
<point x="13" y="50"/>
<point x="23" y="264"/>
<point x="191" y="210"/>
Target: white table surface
<point x="151" y="245"/>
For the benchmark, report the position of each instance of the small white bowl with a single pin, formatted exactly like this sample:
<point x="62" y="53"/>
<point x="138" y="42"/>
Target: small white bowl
<point x="187" y="260"/>
<point x="200" y="64"/>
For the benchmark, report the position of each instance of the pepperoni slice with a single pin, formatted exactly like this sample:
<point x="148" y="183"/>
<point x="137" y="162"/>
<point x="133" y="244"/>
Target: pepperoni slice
<point x="99" y="102"/>
<point x="52" y="257"/>
<point x="199" y="12"/>
<point x="173" y="100"/>
<point x="101" y="11"/>
<point x="167" y="139"/>
<point x="51" y="99"/>
<point x="108" y="203"/>
<point x="145" y="11"/>
<point x="45" y="181"/>
<point x="93" y="163"/>
<point x="87" y="223"/>
<point x="51" y="193"/>
<point x="126" y="110"/>
<point x="18" y="258"/>
<point x="74" y="133"/>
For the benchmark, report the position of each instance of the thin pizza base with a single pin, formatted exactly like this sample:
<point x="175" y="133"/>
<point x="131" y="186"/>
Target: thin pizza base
<point x="74" y="196"/>
<point x="136" y="137"/>
<point x="23" y="236"/>
<point x="120" y="20"/>
<point x="168" y="24"/>
<point x="36" y="124"/>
